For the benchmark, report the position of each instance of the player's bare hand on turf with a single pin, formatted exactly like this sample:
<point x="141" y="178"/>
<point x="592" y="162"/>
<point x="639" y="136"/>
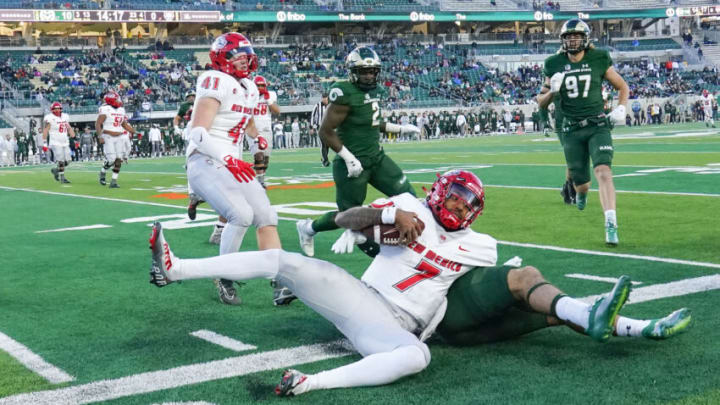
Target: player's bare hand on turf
<point x="243" y="171"/>
<point x="409" y="225"/>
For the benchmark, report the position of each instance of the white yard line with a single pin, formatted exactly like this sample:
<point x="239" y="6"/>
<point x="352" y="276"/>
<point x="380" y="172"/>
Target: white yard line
<point x="32" y="361"/>
<point x="181" y="376"/>
<point x="76" y="228"/>
<point x="224" y="341"/>
<point x="610" y="280"/>
<point x="666" y="290"/>
<point x="609" y="254"/>
<point x="594" y="189"/>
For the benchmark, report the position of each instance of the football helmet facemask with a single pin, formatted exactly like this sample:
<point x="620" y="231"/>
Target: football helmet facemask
<point x="572" y="44"/>
<point x="56" y="108"/>
<point x="228" y="46"/>
<point x="363" y="62"/>
<point x="465" y="186"/>
<point x="261" y="84"/>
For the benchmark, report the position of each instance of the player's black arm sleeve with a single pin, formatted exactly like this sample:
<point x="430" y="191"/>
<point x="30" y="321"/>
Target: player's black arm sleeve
<point x="359" y="217"/>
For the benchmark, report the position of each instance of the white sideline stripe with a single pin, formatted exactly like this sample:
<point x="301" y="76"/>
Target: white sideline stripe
<point x="92" y="197"/>
<point x="623" y="255"/>
<point x="105" y="390"/>
<point x="32" y="361"/>
<point x="529" y="245"/>
<point x="220" y="340"/>
<point x="76" y="228"/>
<point x="672" y="289"/>
<point x="610" y="280"/>
<point x="594" y="189"/>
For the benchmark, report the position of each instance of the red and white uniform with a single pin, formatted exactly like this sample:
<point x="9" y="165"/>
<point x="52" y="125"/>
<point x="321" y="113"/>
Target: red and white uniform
<point x="58" y="136"/>
<point x="416" y="278"/>
<point x="238" y="100"/>
<point x="263" y="122"/>
<point x="242" y="203"/>
<point x="707" y="104"/>
<point x="115" y="146"/>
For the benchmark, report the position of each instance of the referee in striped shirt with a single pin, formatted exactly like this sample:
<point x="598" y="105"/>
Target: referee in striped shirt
<point x="318" y="113"/>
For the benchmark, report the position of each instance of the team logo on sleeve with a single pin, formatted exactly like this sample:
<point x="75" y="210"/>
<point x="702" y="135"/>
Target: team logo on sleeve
<point x="335" y="93"/>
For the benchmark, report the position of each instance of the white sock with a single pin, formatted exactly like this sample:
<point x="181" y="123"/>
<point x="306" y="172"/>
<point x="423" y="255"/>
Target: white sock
<point x="220" y="224"/>
<point x="115" y="175"/>
<point x="375" y="369"/>
<point x="236" y="266"/>
<point x="572" y="310"/>
<point x="309" y="229"/>
<point x="611" y="217"/>
<point x="630" y="327"/>
<point x="232" y="237"/>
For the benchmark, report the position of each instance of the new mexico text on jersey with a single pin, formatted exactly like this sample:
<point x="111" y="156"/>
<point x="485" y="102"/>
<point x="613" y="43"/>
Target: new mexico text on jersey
<point x="416" y="277"/>
<point x="58" y="133"/>
<point x="238" y="99"/>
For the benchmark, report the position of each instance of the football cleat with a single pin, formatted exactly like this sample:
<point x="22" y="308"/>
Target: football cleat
<point x="669" y="326"/>
<point x="216" y="235"/>
<point x="227" y="293"/>
<point x="281" y="295"/>
<point x="162" y="257"/>
<point x="63" y="180"/>
<point x="55" y="174"/>
<point x="195" y="200"/>
<point x="113" y="184"/>
<point x="581" y="200"/>
<point x="291" y="384"/>
<point x="101" y="178"/>
<point x="604" y="311"/>
<point x="307" y="241"/>
<point x="611" y="235"/>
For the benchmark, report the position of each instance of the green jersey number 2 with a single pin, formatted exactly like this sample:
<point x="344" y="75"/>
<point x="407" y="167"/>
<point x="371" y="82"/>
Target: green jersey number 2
<point x="376" y="114"/>
<point x="571" y="85"/>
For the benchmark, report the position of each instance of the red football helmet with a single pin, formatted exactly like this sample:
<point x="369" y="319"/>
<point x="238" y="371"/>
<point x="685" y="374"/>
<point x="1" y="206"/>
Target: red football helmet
<point x="705" y="93"/>
<point x="260" y="81"/>
<point x="465" y="186"/>
<point x="56" y="108"/>
<point x="228" y="46"/>
<point x="113" y="99"/>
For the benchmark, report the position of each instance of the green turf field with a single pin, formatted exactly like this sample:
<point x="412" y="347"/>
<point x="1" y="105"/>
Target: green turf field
<point x="78" y="300"/>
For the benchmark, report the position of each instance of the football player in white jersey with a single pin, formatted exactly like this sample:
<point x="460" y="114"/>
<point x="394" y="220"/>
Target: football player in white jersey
<point x="707" y="101"/>
<point x="57" y="126"/>
<point x="222" y="114"/>
<point x="110" y="125"/>
<point x="402" y="296"/>
<point x="267" y="106"/>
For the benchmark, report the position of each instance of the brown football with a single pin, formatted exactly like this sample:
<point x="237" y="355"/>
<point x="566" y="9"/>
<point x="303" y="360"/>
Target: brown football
<point x="385" y="234"/>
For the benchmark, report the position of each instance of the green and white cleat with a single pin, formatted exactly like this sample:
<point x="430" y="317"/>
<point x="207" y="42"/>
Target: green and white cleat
<point x="605" y="310"/>
<point x="665" y="328"/>
<point x="581" y="200"/>
<point x="611" y="235"/>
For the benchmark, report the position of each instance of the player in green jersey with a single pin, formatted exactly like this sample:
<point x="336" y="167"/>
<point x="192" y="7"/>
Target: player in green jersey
<point x="575" y="76"/>
<point x="351" y="127"/>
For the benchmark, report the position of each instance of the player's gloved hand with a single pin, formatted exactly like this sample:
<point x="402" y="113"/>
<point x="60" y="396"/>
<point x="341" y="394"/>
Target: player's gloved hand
<point x="354" y="167"/>
<point x="262" y="143"/>
<point x="409" y="129"/>
<point x="243" y="171"/>
<point x="556" y="82"/>
<point x="178" y="130"/>
<point x="515" y="261"/>
<point x="347" y="241"/>
<point x="618" y="114"/>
